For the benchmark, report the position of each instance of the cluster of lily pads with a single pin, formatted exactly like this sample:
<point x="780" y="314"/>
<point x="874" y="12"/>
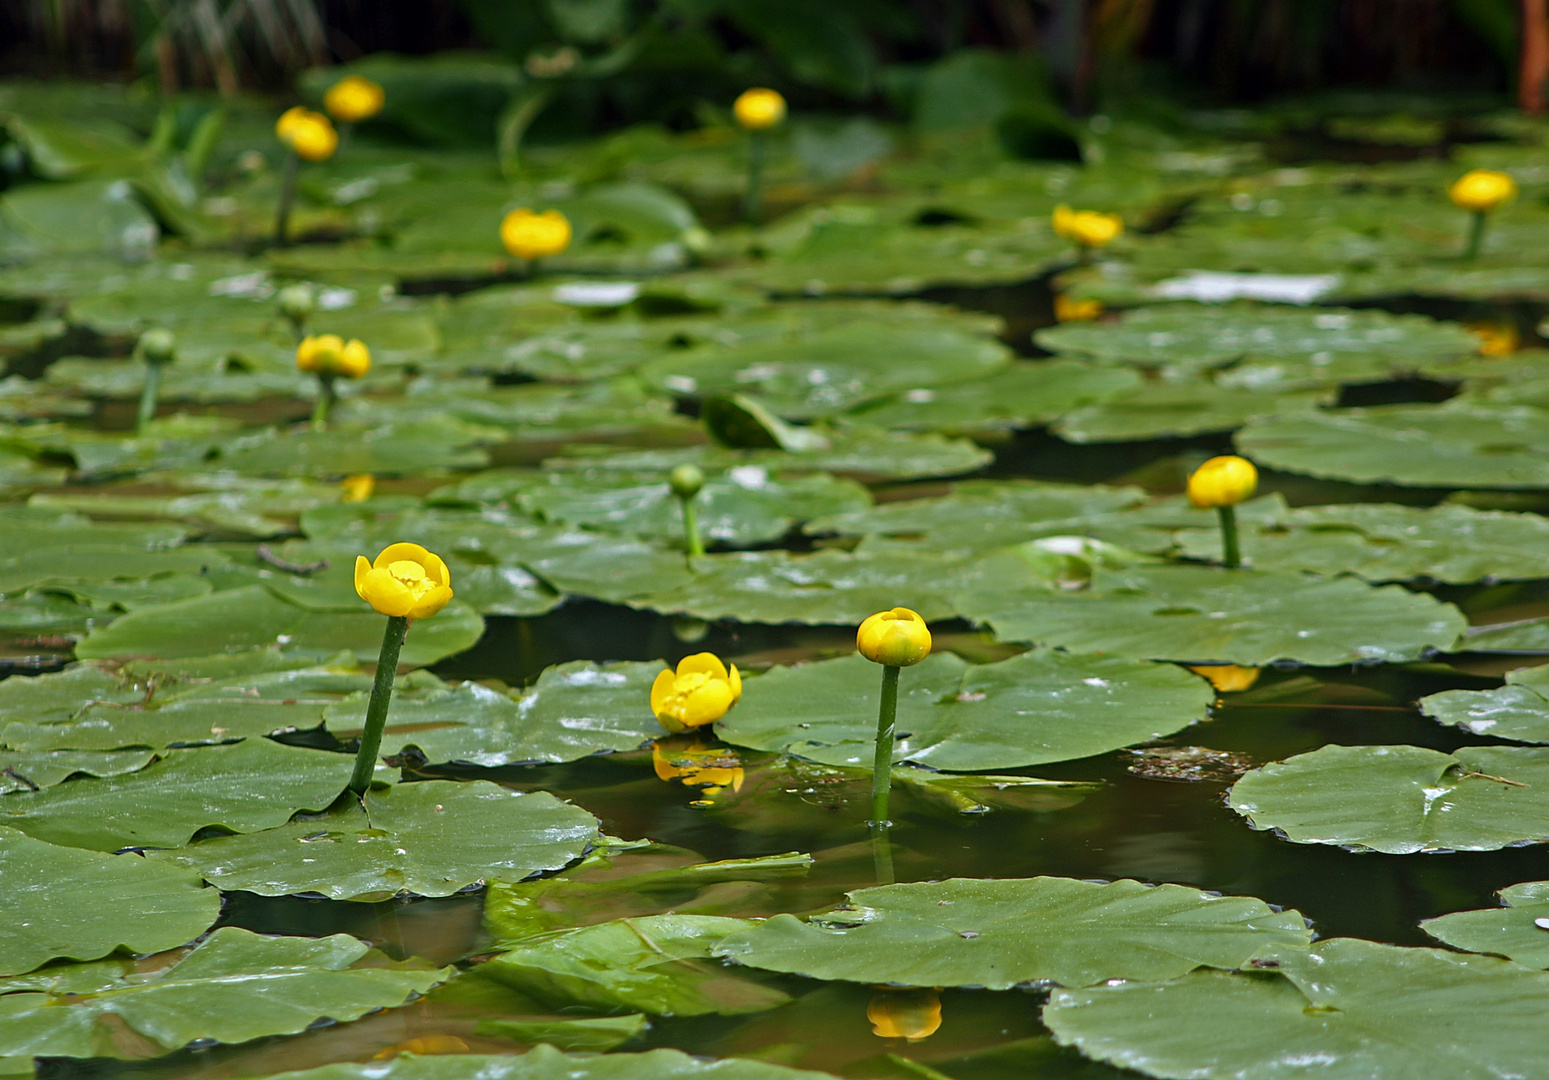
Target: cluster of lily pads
<point x="716" y="378"/>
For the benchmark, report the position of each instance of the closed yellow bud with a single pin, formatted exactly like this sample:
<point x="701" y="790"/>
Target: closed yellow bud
<point x="1086" y="227"/>
<point x="698" y="693"/>
<point x="1070" y="309"/>
<point x="353" y="99"/>
<point x="329" y="354"/>
<point x="309" y="134"/>
<point x="1223" y="481"/>
<point x="528" y="234"/>
<point x="759" y="108"/>
<point x="1482" y="190"/>
<point x="896" y="638"/>
<point x="405" y="580"/>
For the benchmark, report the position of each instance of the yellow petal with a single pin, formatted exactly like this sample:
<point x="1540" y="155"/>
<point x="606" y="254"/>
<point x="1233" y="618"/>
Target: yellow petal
<point x="736" y="683"/>
<point x="707" y="663"/>
<point x="707" y="704"/>
<point x="431" y="602"/>
<point x="661" y="691"/>
<point x="386" y="593"/>
<point x="403" y="552"/>
<point x="362" y="568"/>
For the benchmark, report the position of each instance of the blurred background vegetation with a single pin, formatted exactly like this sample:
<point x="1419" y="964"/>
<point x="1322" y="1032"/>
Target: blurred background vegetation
<point x="605" y="63"/>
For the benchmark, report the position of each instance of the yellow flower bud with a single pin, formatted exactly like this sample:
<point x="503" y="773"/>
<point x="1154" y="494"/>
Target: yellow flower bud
<point x="405" y="580"/>
<point x="905" y="1014"/>
<point x="698" y="693"/>
<point x="531" y="235"/>
<point x="897" y="638"/>
<point x="1069" y="309"/>
<point x="1482" y="190"/>
<point x="1223" y="481"/>
<point x="759" y="108"/>
<point x="353" y="99"/>
<point x="357" y="488"/>
<point x="329" y="354"/>
<point x="1086" y="227"/>
<point x="1496" y="339"/>
<point x="308" y="133"/>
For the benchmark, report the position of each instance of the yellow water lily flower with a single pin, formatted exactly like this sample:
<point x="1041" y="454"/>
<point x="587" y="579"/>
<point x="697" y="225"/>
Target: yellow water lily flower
<point x="1481" y="190"/>
<point x="329" y="354"/>
<point x="1223" y="481"/>
<point x="405" y="580"/>
<point x="1496" y="339"/>
<point x="528" y="234"/>
<point x="1087" y="228"/>
<point x="357" y="488"/>
<point x="896" y="638"/>
<point x="698" y="693"/>
<point x="353" y="99"/>
<point x="311" y="135"/>
<point x="905" y="1014"/>
<point x="1070" y="309"/>
<point x="759" y="108"/>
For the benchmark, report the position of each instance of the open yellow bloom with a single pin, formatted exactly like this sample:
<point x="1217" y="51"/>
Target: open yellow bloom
<point x="405" y="580"/>
<point x="759" y="108"/>
<point x="528" y="234"/>
<point x="1223" y="481"/>
<point x="1086" y="227"/>
<point x="698" y="693"/>
<point x="310" y="134"/>
<point x="329" y="354"/>
<point x="896" y="638"/>
<point x="905" y="1014"/>
<point x="1481" y="190"/>
<point x="353" y="99"/>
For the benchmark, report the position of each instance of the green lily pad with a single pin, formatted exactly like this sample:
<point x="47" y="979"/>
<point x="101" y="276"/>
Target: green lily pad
<point x="1402" y="799"/>
<point x="656" y="964"/>
<point x="1511" y="930"/>
<point x="1525" y="636"/>
<point x="744" y="506"/>
<point x="1384" y="542"/>
<point x="1001" y="934"/>
<point x="1454" y="445"/>
<point x="216" y="502"/>
<point x="1021" y="396"/>
<point x="116" y="902"/>
<point x="1175" y="408"/>
<point x="431" y="838"/>
<point x="234" y="987"/>
<point x="597" y="1034"/>
<point x="169" y="442"/>
<point x="547" y="1063"/>
<point x="1344" y="1010"/>
<point x="255" y="784"/>
<point x="1236" y="616"/>
<point x="32" y="770"/>
<point x="575" y="709"/>
<point x="415" y="446"/>
<point x="883" y="351"/>
<point x="1283" y="346"/>
<point x="1038" y="707"/>
<point x="1518" y="711"/>
<point x="253" y="617"/>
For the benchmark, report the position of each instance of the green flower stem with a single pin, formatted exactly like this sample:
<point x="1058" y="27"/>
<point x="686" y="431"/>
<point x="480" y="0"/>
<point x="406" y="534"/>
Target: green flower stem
<point x="1475" y="234"/>
<point x="376" y="709"/>
<point x="148" y="396"/>
<point x="882" y="765"/>
<point x="1230" y="556"/>
<point x="325" y="400"/>
<point x="751" y="197"/>
<point x="287" y="196"/>
<point x="696" y="543"/>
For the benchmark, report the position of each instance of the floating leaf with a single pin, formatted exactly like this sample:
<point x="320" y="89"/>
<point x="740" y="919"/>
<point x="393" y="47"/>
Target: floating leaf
<point x="1001" y="934"/>
<point x="1518" y="711"/>
<point x="253" y="617"/>
<point x="431" y="838"/>
<point x="1021" y="396"/>
<point x="656" y="964"/>
<point x="31" y="770"/>
<point x="1512" y="930"/>
<point x="1038" y="707"/>
<point x="1459" y="445"/>
<point x="234" y="987"/>
<point x="1234" y="616"/>
<point x="547" y="1063"/>
<point x="255" y="784"/>
<point x="115" y="902"/>
<point x="597" y="1034"/>
<point x="1176" y="408"/>
<point x="1402" y="799"/>
<point x="1346" y="1009"/>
